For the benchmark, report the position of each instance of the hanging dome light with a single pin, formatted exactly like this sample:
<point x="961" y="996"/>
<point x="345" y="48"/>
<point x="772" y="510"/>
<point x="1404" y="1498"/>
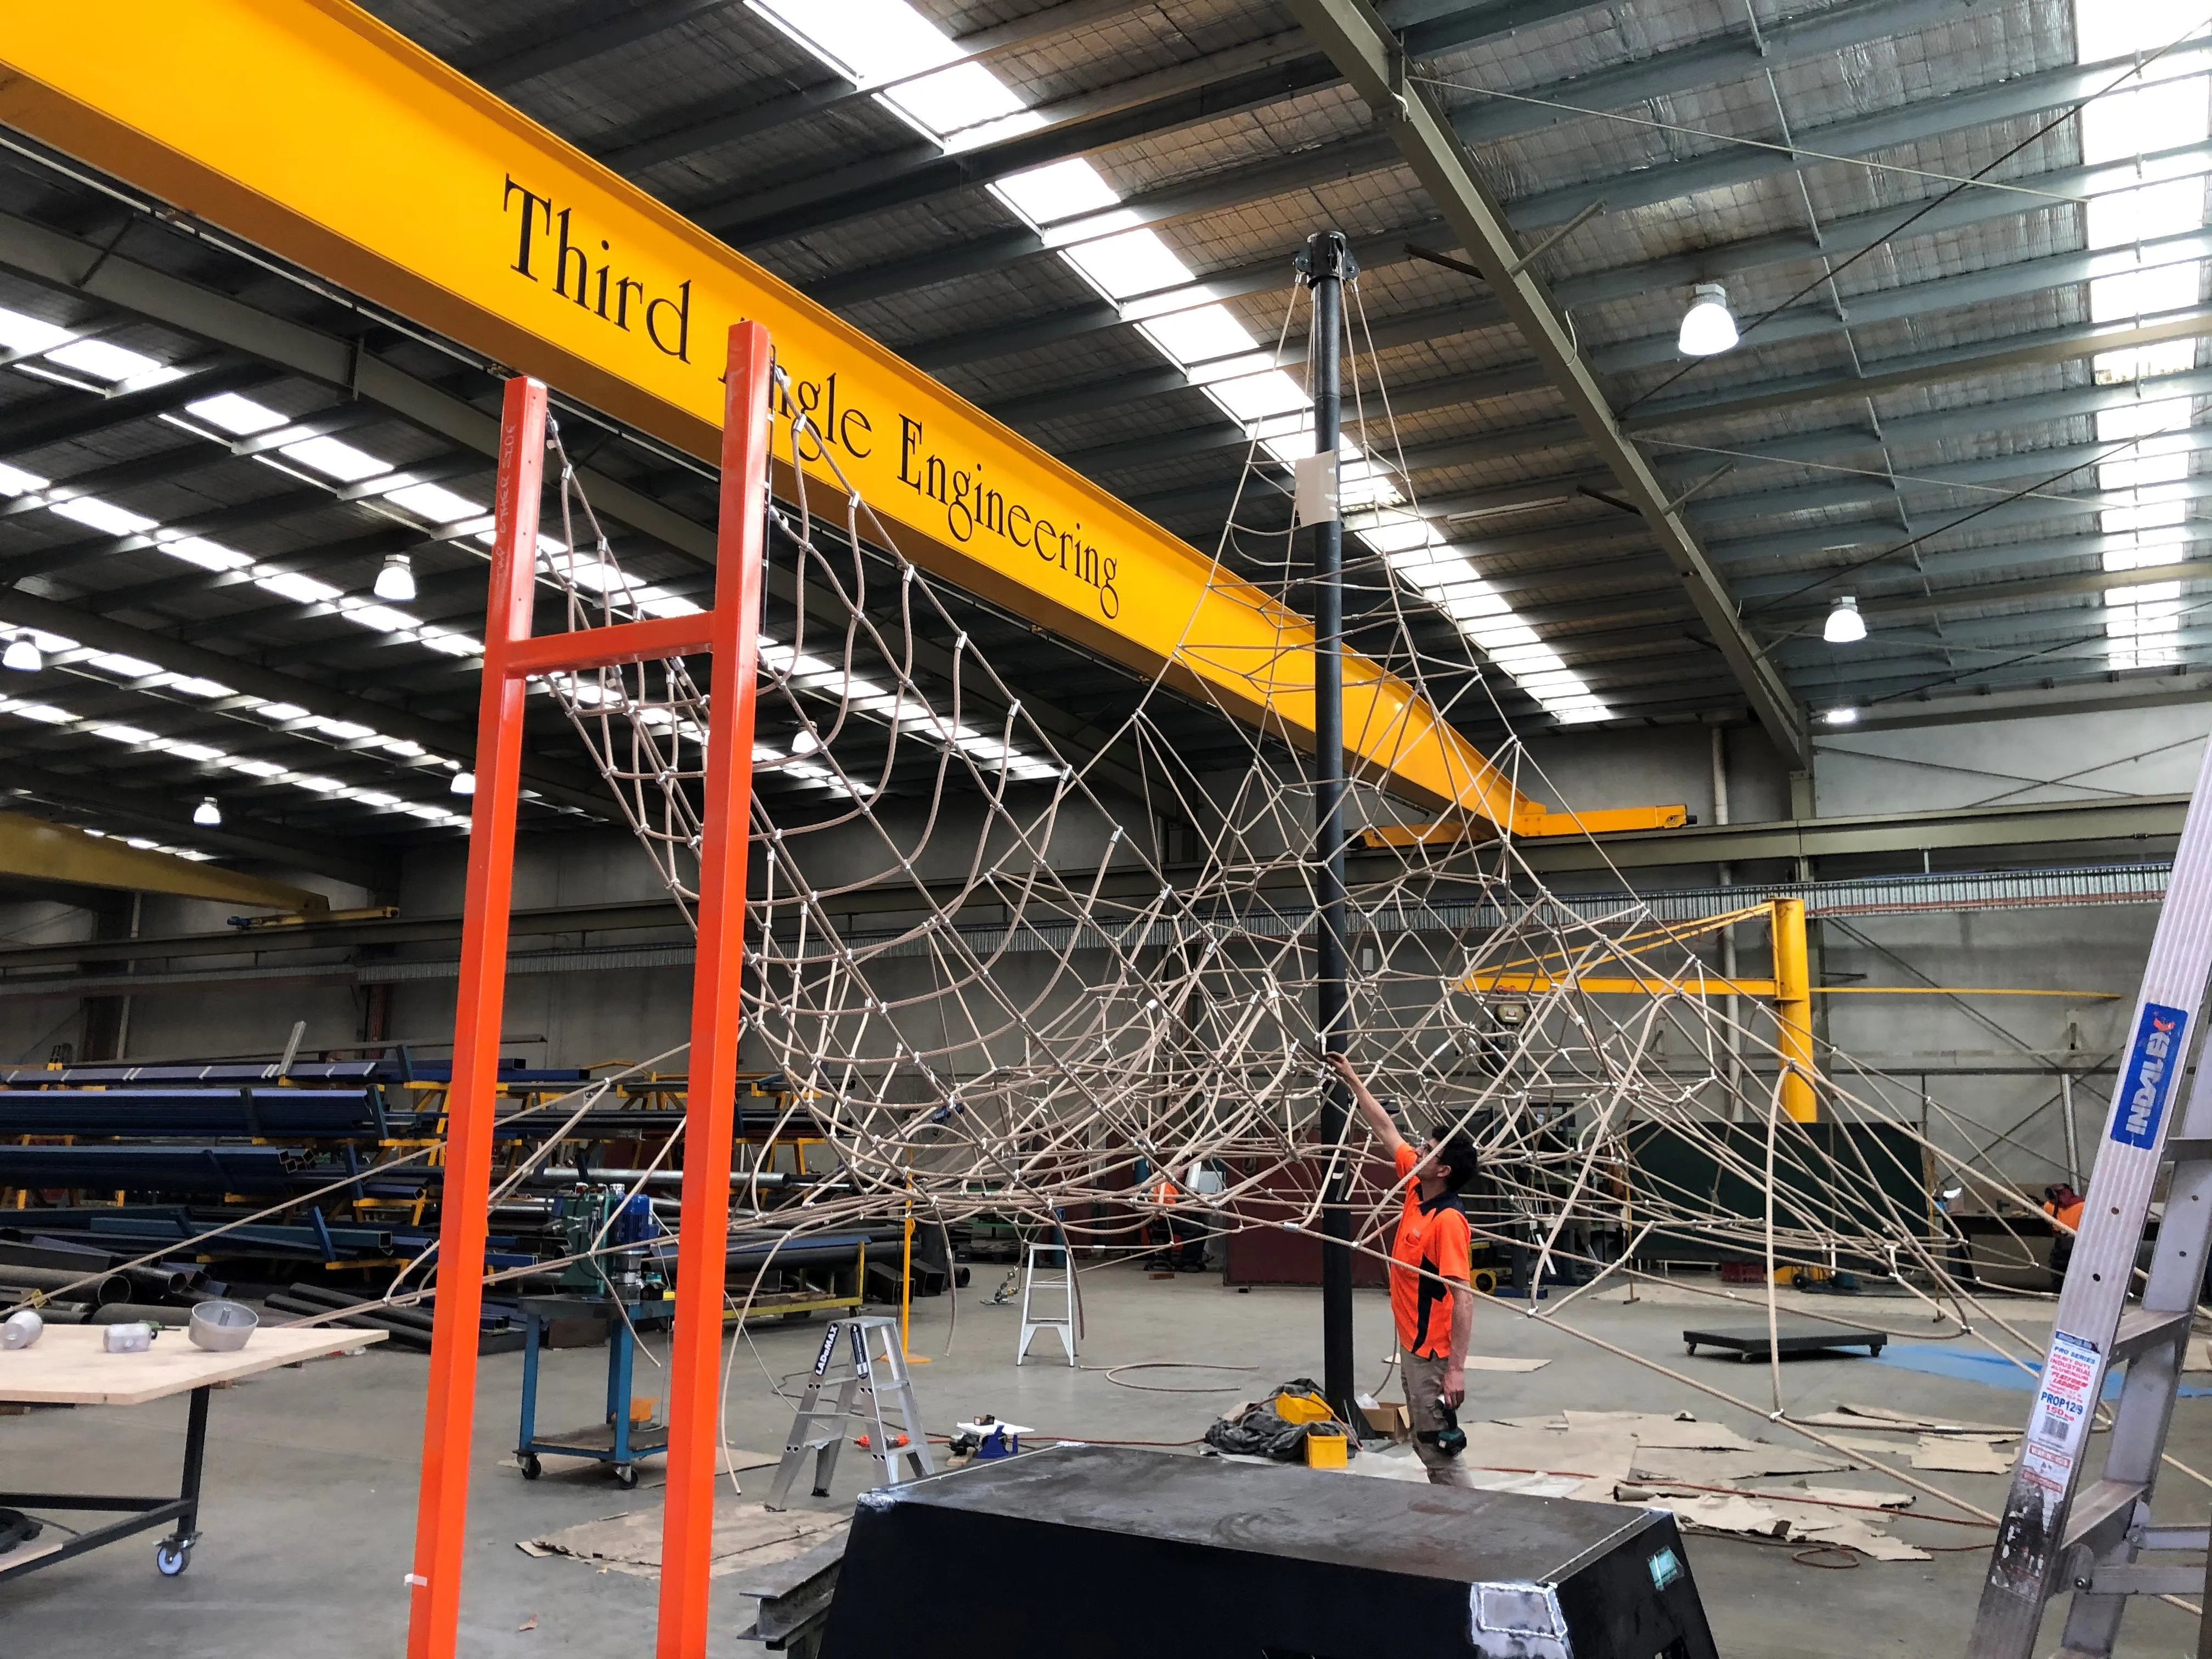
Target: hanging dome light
<point x="22" y="654"/>
<point x="465" y="783"/>
<point x="396" y="581"/>
<point x="1844" y="625"/>
<point x="207" y="812"/>
<point x="1708" y="326"/>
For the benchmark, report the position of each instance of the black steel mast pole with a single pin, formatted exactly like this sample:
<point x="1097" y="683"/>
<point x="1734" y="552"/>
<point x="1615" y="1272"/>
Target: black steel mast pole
<point x="1326" y="265"/>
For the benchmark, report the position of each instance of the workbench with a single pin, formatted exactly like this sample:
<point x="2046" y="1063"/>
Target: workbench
<point x="67" y="1367"/>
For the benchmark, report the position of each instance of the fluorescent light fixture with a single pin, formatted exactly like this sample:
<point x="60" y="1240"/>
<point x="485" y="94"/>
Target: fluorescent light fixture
<point x="207" y="812"/>
<point x="23" y="654"/>
<point x="1708" y="326"/>
<point x="465" y="783"/>
<point x="396" y="581"/>
<point x="1844" y="625"/>
<point x="1840" y="717"/>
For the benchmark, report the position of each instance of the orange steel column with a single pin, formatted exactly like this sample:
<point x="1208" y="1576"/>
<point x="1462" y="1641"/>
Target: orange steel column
<point x="1793" y="1009"/>
<point x="695" y="1360"/>
<point x="441" y="1512"/>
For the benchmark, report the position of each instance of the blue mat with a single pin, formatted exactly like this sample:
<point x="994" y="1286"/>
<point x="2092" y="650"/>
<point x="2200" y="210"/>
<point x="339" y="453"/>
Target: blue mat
<point x="1969" y="1366"/>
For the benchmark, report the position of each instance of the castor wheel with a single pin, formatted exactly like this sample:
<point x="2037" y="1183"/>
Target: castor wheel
<point x="172" y="1555"/>
<point x="532" y="1468"/>
<point x="626" y="1476"/>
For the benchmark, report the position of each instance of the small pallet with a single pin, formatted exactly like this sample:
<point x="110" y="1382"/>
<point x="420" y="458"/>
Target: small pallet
<point x="1750" y="1342"/>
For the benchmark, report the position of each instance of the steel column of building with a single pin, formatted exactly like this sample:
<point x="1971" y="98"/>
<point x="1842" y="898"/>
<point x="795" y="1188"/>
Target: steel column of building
<point x="694" y="1363"/>
<point x="1325" y="266"/>
<point x="449" y="1410"/>
<point x="1793" y="1009"/>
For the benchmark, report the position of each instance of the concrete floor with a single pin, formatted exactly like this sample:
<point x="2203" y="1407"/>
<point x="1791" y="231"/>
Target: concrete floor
<point x="311" y="1476"/>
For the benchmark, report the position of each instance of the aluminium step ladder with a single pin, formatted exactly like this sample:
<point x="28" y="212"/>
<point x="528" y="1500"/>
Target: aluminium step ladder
<point x="867" y="1381"/>
<point x="2094" y="1537"/>
<point x="1036" y="1277"/>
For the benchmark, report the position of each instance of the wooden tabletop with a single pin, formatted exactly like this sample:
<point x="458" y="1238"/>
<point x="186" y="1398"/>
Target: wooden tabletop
<point x="67" y="1366"/>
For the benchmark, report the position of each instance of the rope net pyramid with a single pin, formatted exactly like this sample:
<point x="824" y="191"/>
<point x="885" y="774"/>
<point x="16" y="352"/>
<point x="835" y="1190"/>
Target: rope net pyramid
<point x="989" y="999"/>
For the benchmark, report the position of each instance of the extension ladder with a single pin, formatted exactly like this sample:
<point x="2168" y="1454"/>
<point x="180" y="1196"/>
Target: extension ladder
<point x="863" y="1377"/>
<point x="1062" y="1324"/>
<point x="2095" y="1537"/>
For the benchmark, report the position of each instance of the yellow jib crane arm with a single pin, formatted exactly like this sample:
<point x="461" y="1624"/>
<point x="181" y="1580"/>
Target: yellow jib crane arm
<point x="315" y="131"/>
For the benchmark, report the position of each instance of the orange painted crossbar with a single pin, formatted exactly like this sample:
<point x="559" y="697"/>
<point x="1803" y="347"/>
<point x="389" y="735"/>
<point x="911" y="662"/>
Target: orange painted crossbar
<point x="651" y="640"/>
<point x="730" y="631"/>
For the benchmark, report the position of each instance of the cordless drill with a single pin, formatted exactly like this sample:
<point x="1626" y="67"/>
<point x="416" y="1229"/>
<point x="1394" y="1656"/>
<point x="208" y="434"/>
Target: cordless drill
<point x="1451" y="1439"/>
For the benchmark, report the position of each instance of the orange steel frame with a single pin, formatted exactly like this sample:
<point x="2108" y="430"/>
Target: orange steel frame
<point x="731" y="632"/>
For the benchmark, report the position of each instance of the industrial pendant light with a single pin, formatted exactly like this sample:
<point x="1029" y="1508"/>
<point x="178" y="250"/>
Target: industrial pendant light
<point x="1844" y="625"/>
<point x="22" y="654"/>
<point x="465" y="783"/>
<point x="1708" y="326"/>
<point x="207" y="812"/>
<point x="396" y="581"/>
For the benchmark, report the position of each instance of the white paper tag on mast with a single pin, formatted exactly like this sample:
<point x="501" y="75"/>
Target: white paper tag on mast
<point x="1314" y="501"/>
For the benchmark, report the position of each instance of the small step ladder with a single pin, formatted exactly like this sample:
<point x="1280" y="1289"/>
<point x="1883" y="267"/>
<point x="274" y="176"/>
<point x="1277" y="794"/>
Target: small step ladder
<point x="2095" y="1537"/>
<point x="868" y="1375"/>
<point x="1034" y="1279"/>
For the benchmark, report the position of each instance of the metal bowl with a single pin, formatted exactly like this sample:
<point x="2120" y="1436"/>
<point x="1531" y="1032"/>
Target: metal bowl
<point x="222" y="1327"/>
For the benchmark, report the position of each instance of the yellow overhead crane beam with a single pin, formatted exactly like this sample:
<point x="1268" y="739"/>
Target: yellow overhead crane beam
<point x="39" y="851"/>
<point x="312" y="130"/>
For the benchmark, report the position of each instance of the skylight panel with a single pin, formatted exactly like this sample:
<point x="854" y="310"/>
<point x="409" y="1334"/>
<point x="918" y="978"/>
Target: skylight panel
<point x="1136" y="262"/>
<point x="1061" y="191"/>
<point x="14" y="481"/>
<point x="281" y="711"/>
<point x="45" y="713"/>
<point x="381" y="617"/>
<point x="1209" y="331"/>
<point x="255" y="768"/>
<point x="103" y="361"/>
<point x="208" y="555"/>
<point x="26" y="334"/>
<point x="240" y="416"/>
<point x="2142" y="625"/>
<point x="193" y="686"/>
<point x="965" y="105"/>
<point x="122" y="734"/>
<point x="434" y="502"/>
<point x="191" y="751"/>
<point x="291" y="585"/>
<point x="115" y="662"/>
<point x="104" y="516"/>
<point x="1077" y="209"/>
<point x="339" y="460"/>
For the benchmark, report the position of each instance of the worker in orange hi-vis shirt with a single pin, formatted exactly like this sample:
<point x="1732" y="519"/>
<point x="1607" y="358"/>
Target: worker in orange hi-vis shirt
<point x="1430" y="1298"/>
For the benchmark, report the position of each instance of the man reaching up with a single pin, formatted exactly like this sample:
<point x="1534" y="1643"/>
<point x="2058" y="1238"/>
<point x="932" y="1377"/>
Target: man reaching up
<point x="1430" y="1298"/>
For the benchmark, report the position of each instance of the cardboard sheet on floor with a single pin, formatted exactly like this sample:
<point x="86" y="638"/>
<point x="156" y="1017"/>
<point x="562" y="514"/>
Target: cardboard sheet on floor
<point x="1876" y="1500"/>
<point x="1681" y="1432"/>
<point x="1866" y="1445"/>
<point x="1959" y="1455"/>
<point x="1773" y="1516"/>
<point x="1878" y="1417"/>
<point x="1733" y="1468"/>
<point x="745" y="1535"/>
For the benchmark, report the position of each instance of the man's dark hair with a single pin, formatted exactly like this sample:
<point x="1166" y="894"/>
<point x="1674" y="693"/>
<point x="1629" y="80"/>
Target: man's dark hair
<point x="1456" y="1155"/>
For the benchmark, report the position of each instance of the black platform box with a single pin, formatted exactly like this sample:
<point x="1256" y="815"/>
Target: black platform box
<point x="1099" y="1552"/>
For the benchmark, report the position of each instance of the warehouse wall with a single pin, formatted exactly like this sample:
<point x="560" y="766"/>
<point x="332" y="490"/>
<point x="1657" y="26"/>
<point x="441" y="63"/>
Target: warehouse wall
<point x="581" y="1018"/>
